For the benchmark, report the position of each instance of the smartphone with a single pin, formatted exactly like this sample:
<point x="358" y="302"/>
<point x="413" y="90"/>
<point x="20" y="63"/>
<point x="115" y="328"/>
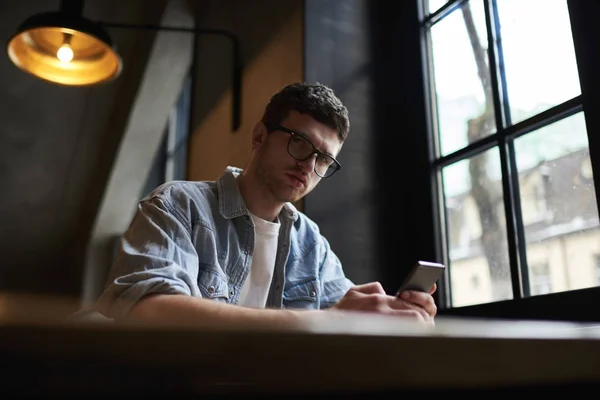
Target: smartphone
<point x="422" y="276"/>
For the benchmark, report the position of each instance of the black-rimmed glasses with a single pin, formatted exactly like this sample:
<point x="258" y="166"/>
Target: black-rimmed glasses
<point x="301" y="148"/>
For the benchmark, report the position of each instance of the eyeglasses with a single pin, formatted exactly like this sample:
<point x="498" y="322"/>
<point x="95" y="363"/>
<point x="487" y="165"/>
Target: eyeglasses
<point x="301" y="148"/>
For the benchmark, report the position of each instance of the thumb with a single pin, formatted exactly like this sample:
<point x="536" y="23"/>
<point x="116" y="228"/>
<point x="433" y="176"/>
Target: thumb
<point x="433" y="289"/>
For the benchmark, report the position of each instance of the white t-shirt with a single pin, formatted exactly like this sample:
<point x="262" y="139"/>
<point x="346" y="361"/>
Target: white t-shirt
<point x="257" y="285"/>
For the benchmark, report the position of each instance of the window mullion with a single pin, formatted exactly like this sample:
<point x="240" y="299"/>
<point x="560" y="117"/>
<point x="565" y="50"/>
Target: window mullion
<point x="512" y="209"/>
<point x="504" y="113"/>
<point x="442" y="13"/>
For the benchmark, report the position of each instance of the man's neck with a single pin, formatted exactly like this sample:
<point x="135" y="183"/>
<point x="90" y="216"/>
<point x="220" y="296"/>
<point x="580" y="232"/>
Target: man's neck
<point x="258" y="201"/>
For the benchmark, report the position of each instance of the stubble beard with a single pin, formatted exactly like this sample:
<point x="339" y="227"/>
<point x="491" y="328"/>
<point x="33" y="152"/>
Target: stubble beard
<point x="279" y="190"/>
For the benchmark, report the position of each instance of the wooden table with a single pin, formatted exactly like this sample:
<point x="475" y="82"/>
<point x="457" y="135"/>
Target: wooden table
<point x="358" y="355"/>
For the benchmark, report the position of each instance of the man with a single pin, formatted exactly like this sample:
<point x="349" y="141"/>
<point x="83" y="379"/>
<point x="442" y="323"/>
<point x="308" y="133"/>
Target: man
<point x="236" y="249"/>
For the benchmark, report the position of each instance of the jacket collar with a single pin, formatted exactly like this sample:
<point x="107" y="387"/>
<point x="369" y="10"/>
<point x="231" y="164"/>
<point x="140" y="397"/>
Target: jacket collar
<point x="231" y="202"/>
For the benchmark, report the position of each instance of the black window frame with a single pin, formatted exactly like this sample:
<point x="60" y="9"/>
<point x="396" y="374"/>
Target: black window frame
<point x="503" y="139"/>
<point x="400" y="93"/>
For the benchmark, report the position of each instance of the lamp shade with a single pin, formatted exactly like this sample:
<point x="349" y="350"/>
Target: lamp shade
<point x="64" y="49"/>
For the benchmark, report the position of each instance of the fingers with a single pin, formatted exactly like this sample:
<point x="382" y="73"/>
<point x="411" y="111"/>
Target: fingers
<point x="401" y="305"/>
<point x="421" y="310"/>
<point x="371" y="297"/>
<point x="420" y="300"/>
<point x="369" y="288"/>
<point x="414" y="314"/>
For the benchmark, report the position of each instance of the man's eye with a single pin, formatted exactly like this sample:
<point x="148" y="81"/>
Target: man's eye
<point x="325" y="160"/>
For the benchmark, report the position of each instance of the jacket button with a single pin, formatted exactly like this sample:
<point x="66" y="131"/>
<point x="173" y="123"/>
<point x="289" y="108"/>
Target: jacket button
<point x="313" y="294"/>
<point x="211" y="289"/>
<point x="231" y="292"/>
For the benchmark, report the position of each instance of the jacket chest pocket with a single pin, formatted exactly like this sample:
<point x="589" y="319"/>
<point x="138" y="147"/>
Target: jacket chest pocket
<point x="213" y="285"/>
<point x="302" y="294"/>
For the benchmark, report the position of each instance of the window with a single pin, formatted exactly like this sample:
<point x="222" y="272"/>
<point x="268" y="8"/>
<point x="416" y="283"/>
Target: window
<point x="517" y="204"/>
<point x="170" y="161"/>
<point x="541" y="282"/>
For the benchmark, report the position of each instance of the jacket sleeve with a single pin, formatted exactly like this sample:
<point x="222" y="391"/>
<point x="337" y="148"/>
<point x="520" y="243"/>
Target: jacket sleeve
<point x="334" y="283"/>
<point x="155" y="256"/>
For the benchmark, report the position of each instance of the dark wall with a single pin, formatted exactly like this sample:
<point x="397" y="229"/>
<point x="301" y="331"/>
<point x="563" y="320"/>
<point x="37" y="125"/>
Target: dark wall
<point x="337" y="54"/>
<point x="403" y="183"/>
<point x="377" y="211"/>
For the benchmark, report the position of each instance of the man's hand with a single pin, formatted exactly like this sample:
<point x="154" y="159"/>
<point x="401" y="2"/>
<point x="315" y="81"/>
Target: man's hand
<point x="371" y="297"/>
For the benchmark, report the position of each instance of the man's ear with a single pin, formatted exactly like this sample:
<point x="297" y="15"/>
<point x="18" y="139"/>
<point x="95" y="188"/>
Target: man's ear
<point x="259" y="135"/>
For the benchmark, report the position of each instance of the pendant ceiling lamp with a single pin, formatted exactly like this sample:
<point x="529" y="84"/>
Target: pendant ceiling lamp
<point x="64" y="48"/>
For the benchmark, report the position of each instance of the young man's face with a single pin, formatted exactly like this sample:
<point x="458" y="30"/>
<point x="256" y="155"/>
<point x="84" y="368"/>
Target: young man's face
<point x="285" y="177"/>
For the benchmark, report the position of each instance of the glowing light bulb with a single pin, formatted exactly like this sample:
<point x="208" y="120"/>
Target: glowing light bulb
<point x="65" y="53"/>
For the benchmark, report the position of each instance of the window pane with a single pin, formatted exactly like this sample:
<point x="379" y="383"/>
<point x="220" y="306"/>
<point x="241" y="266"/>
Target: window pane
<point x="434" y="5"/>
<point x="539" y="59"/>
<point x="461" y="78"/>
<point x="478" y="251"/>
<point x="558" y="201"/>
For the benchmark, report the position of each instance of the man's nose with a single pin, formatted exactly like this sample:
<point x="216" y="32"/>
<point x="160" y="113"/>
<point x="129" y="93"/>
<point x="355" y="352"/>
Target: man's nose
<point x="308" y="165"/>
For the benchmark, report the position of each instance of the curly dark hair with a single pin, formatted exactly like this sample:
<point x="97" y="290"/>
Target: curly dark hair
<point x="316" y="100"/>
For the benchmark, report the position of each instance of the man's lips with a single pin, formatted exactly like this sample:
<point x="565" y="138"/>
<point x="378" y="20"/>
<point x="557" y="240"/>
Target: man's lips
<point x="297" y="181"/>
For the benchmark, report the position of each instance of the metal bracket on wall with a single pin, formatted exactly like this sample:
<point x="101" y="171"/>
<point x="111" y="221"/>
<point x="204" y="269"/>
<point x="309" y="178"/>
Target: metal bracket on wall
<point x="236" y="111"/>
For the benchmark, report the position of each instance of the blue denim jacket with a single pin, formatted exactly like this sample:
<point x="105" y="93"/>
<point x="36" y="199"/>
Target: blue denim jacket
<point x="197" y="239"/>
